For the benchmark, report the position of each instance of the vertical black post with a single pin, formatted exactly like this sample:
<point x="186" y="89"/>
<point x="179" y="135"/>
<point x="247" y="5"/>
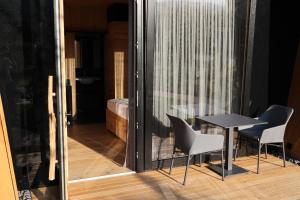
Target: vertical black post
<point x="131" y="162"/>
<point x="149" y="62"/>
<point x="249" y="57"/>
<point x="257" y="59"/>
<point x="139" y="92"/>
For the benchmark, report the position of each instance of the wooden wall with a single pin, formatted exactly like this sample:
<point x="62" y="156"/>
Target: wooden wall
<point x="87" y="15"/>
<point x="92" y="17"/>
<point x="293" y="130"/>
<point x="85" y="18"/>
<point x="116" y="41"/>
<point x="8" y="188"/>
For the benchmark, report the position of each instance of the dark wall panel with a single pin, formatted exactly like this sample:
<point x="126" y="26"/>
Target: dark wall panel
<point x="26" y="59"/>
<point x="284" y="38"/>
<point x="260" y="59"/>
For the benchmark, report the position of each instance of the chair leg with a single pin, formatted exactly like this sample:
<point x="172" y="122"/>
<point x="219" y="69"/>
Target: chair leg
<point x="258" y="157"/>
<point x="186" y="169"/>
<point x="200" y="159"/>
<point x="247" y="152"/>
<point x="162" y="164"/>
<point x="172" y="161"/>
<point x="283" y="154"/>
<point x="266" y="151"/>
<point x="159" y="164"/>
<point x="222" y="165"/>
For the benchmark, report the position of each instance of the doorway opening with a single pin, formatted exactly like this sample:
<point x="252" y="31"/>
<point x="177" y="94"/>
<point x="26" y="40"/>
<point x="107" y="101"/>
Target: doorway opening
<point x="96" y="53"/>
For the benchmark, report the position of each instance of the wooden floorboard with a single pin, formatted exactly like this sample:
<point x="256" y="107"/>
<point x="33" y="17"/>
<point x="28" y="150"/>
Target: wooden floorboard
<point x="94" y="151"/>
<point x="274" y="182"/>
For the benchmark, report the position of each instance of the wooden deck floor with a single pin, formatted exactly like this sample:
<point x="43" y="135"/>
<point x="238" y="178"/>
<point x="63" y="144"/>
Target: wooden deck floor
<point x="94" y="151"/>
<point x="274" y="182"/>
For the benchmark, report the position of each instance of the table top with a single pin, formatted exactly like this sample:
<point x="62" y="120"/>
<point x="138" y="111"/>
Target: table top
<point x="231" y="120"/>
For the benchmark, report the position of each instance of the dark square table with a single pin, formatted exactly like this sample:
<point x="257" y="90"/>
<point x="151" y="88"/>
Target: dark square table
<point x="230" y="122"/>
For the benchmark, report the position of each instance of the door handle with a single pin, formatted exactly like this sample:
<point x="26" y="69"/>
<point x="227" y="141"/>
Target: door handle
<point x="52" y="130"/>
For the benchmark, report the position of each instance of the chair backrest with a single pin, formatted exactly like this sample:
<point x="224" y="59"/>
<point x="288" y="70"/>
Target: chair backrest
<point x="184" y="134"/>
<point x="277" y="115"/>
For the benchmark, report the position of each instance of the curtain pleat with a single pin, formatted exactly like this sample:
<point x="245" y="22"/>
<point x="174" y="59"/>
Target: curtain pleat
<point x="193" y="63"/>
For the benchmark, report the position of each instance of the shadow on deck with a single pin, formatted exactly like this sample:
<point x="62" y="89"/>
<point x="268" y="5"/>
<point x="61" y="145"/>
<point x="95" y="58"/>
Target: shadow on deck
<point x="274" y="182"/>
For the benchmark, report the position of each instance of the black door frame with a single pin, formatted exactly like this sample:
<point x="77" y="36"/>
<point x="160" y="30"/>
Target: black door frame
<point x="136" y="82"/>
<point x="142" y="52"/>
<point x="149" y="55"/>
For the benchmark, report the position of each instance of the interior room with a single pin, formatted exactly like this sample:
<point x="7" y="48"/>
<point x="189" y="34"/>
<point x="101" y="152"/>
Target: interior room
<point x="96" y="46"/>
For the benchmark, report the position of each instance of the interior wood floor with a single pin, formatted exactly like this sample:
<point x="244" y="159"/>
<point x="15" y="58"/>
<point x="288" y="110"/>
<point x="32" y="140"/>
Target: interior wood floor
<point x="273" y="182"/>
<point x="94" y="151"/>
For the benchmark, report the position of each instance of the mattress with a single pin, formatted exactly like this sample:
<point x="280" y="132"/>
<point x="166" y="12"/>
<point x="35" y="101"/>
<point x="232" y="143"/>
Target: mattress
<point x="119" y="107"/>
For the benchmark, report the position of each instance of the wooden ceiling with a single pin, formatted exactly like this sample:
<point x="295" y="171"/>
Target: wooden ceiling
<point x="92" y="2"/>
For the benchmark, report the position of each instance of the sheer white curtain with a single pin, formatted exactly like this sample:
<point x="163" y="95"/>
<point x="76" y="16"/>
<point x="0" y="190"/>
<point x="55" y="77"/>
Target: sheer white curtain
<point x="193" y="60"/>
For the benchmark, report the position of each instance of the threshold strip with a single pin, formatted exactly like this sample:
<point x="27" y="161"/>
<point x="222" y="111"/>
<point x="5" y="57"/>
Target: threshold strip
<point x="101" y="177"/>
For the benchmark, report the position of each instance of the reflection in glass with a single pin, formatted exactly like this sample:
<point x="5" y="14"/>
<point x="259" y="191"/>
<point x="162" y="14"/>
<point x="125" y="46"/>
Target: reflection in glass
<point x="26" y="60"/>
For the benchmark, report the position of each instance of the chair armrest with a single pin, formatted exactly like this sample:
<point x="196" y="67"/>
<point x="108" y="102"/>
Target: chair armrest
<point x="206" y="143"/>
<point x="273" y="134"/>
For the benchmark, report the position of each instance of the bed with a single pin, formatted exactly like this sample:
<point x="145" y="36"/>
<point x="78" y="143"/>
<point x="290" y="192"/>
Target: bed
<point x="117" y="117"/>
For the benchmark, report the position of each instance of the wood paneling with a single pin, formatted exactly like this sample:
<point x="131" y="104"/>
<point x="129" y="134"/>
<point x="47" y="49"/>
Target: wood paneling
<point x="94" y="151"/>
<point x="71" y="67"/>
<point x="274" y="182"/>
<point x="117" y="125"/>
<point x="89" y="15"/>
<point x="293" y="130"/>
<point x="119" y="62"/>
<point x="116" y="41"/>
<point x="85" y="18"/>
<point x="93" y="2"/>
<point x="8" y="188"/>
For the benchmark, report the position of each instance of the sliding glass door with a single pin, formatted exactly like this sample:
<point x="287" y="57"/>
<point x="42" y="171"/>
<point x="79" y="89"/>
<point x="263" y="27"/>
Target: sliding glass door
<point x="194" y="64"/>
<point x="27" y="86"/>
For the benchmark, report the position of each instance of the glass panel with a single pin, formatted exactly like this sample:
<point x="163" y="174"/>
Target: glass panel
<point x="196" y="68"/>
<point x="27" y="59"/>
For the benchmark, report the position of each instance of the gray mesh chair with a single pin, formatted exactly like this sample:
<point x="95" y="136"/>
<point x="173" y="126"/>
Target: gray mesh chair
<point x="268" y="134"/>
<point x="191" y="142"/>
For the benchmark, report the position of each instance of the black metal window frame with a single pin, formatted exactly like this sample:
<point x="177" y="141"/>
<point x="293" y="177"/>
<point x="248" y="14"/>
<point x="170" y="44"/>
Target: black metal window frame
<point x="144" y="52"/>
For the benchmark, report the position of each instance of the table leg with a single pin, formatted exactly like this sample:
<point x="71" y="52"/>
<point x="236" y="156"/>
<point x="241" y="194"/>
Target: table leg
<point x="229" y="149"/>
<point x="230" y="168"/>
